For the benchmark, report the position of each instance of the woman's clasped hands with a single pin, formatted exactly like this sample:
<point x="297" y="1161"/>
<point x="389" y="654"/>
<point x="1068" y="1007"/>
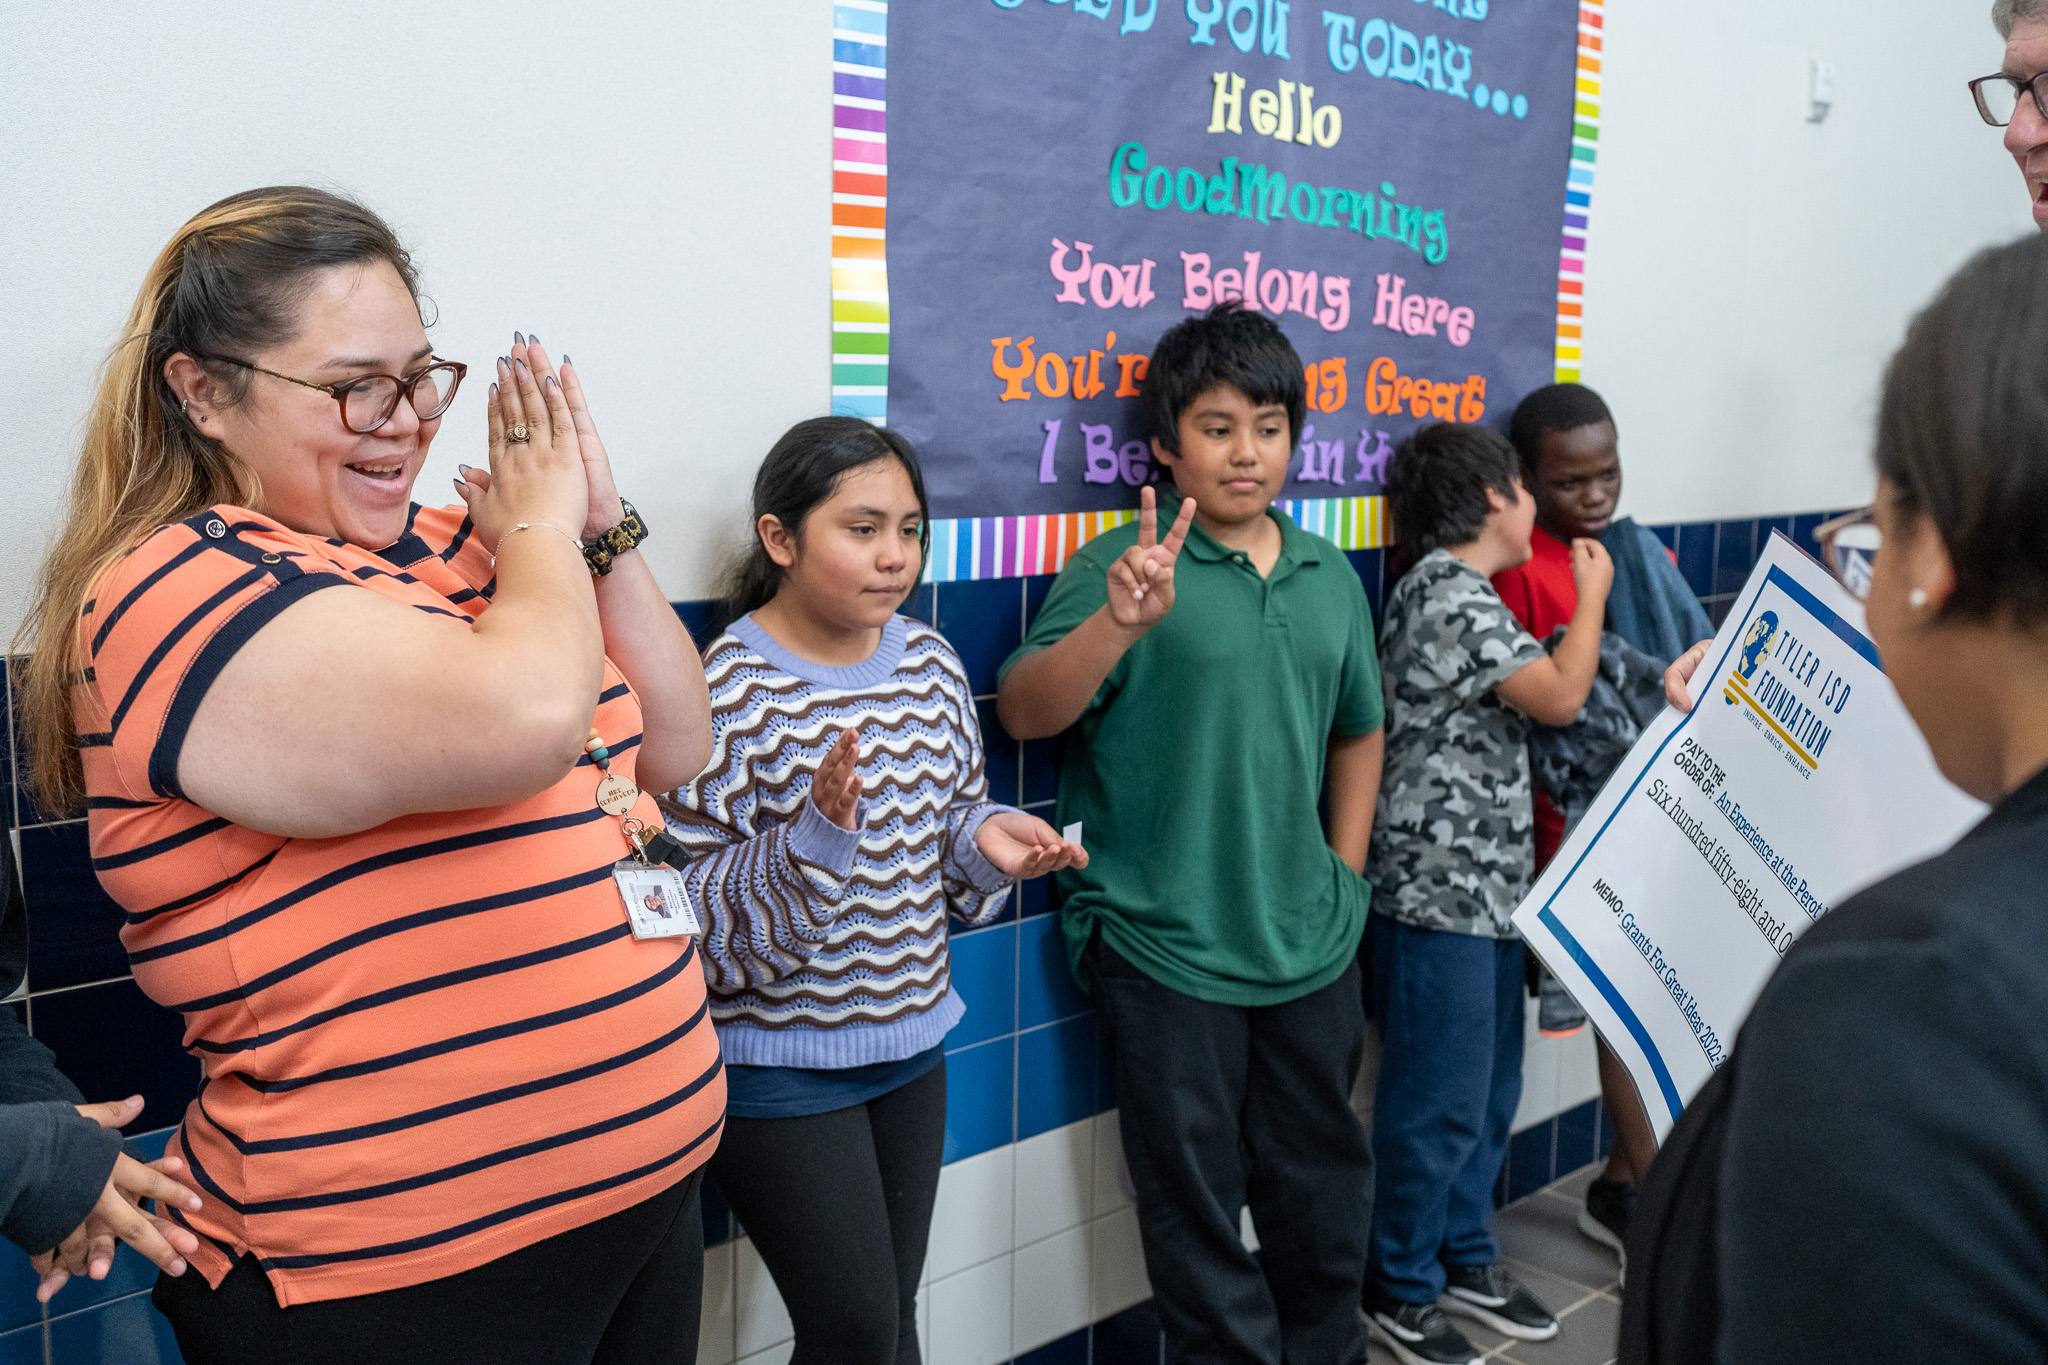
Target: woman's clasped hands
<point x="559" y="474"/>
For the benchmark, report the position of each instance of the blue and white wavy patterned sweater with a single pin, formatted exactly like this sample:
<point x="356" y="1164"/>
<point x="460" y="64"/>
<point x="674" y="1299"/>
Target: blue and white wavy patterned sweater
<point x="826" y="947"/>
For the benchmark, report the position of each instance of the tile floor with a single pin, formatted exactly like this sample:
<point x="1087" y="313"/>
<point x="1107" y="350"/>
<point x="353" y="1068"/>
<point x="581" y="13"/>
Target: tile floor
<point x="1577" y="1278"/>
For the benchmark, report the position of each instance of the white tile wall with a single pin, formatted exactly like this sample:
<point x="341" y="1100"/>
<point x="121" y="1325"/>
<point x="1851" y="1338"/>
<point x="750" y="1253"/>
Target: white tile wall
<point x="1055" y="1181"/>
<point x="971" y="1315"/>
<point x="759" y="1319"/>
<point x="1557" y="1073"/>
<point x="1028" y="1243"/>
<point x="715" y="1345"/>
<point x="975" y="1216"/>
<point x="1541" y="1058"/>
<point x="1111" y="1180"/>
<point x="1052" y="1288"/>
<point x="1118" y="1264"/>
<point x="1578" y="1070"/>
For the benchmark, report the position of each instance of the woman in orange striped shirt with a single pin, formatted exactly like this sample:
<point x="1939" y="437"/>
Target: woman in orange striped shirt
<point x="333" y="750"/>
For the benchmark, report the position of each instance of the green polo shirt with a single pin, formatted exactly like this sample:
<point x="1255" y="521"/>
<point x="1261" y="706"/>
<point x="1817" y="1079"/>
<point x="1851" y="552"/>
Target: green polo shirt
<point x="1198" y="766"/>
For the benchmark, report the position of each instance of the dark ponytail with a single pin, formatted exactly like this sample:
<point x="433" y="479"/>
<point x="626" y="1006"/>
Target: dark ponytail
<point x="802" y="470"/>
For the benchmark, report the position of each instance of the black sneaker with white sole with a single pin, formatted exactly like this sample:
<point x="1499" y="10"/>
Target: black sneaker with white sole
<point x="1417" y="1333"/>
<point x="1605" y="1217"/>
<point x="1492" y="1296"/>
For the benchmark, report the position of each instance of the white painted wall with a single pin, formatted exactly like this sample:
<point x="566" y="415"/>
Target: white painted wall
<point x="1748" y="273"/>
<point x="645" y="183"/>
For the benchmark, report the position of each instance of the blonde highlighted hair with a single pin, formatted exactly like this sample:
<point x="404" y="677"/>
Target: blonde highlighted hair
<point x="229" y="282"/>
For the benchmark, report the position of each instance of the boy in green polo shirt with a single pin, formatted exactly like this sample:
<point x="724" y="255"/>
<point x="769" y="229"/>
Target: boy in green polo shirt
<point x="1212" y="681"/>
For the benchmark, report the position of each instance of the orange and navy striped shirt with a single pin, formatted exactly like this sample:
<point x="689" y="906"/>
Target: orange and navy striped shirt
<point x="425" y="1045"/>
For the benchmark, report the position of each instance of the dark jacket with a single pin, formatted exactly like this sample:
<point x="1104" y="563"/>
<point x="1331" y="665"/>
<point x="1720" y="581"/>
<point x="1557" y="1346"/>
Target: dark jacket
<point x="1571" y="763"/>
<point x="1866" y="1179"/>
<point x="1650" y="605"/>
<point x="53" y="1161"/>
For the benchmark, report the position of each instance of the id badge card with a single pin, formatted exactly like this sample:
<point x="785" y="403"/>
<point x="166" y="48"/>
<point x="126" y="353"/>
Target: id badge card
<point x="657" y="903"/>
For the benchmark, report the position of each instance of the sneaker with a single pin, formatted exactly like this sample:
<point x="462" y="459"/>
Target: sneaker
<point x="1496" y="1298"/>
<point x="1417" y="1333"/>
<point x="1557" y="1014"/>
<point x="1605" y="1217"/>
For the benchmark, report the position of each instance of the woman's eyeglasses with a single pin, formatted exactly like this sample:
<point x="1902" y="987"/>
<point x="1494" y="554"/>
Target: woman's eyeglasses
<point x="1998" y="97"/>
<point x="367" y="401"/>
<point x="1848" y="546"/>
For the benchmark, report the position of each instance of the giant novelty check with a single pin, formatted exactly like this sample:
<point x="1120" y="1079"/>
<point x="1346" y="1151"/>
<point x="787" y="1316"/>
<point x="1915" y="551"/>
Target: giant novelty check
<point x="1796" y="780"/>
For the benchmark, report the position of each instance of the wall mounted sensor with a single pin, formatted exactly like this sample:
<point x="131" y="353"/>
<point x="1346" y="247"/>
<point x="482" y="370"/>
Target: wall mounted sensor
<point x="1820" y="89"/>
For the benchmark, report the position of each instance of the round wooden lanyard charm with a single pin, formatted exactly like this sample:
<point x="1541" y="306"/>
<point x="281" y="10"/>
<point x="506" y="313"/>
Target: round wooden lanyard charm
<point x="615" y="795"/>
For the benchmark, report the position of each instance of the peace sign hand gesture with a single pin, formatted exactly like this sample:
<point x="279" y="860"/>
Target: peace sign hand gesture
<point x="1141" y="580"/>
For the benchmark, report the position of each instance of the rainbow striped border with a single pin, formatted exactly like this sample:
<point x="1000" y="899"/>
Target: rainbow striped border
<point x="1018" y="547"/>
<point x="1578" y="193"/>
<point x="860" y="205"/>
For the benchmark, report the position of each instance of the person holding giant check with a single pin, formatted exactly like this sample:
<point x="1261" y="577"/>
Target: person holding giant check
<point x="1866" y="1177"/>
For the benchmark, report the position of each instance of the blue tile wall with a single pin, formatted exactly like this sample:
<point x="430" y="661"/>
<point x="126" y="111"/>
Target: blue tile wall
<point x="1131" y="1337"/>
<point x="23" y="1346"/>
<point x="984" y="966"/>
<point x="981" y="1098"/>
<point x="1027" y="1058"/>
<point x="1035" y="896"/>
<point x="128" y="1331"/>
<point x="1532" y="1160"/>
<point x="74" y="926"/>
<point x="983" y="622"/>
<point x="1056" y="1076"/>
<point x="1004" y="756"/>
<point x="1734" y="555"/>
<point x="18" y="1280"/>
<point x="1046" y="991"/>
<point x="1578" y="1138"/>
<point x="113" y="1041"/>
<point x="718" y="1219"/>
<point x="697" y="618"/>
<point x="1696" y="556"/>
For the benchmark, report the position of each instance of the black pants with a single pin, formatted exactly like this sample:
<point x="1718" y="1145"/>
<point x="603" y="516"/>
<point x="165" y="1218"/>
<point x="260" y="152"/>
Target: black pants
<point x="625" y="1290"/>
<point x="840" y="1206"/>
<point x="1224" y="1106"/>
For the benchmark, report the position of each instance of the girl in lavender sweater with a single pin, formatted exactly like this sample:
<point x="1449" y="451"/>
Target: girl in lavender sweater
<point x="845" y="811"/>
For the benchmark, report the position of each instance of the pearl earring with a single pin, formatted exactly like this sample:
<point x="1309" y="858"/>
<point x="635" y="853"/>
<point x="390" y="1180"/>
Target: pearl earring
<point x="1917" y="599"/>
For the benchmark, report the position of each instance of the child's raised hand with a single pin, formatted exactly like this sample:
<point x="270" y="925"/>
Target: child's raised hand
<point x="1141" y="580"/>
<point x="1592" y="570"/>
<point x="1023" y="846"/>
<point x="835" y="790"/>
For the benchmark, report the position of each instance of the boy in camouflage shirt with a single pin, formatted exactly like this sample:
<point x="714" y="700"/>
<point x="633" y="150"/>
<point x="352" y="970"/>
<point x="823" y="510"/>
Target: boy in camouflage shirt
<point x="1452" y="854"/>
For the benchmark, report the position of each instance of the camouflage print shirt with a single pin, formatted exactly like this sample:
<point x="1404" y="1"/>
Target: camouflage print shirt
<point x="1453" y="835"/>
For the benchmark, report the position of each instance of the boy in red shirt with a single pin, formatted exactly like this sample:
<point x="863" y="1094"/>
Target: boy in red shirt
<point x="1571" y="463"/>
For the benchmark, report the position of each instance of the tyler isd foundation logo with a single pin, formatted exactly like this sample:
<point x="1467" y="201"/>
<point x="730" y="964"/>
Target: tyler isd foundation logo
<point x="1761" y="632"/>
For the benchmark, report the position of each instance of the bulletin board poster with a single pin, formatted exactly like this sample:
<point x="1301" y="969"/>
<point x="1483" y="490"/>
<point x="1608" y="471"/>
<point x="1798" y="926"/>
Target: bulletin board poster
<point x="1067" y="179"/>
